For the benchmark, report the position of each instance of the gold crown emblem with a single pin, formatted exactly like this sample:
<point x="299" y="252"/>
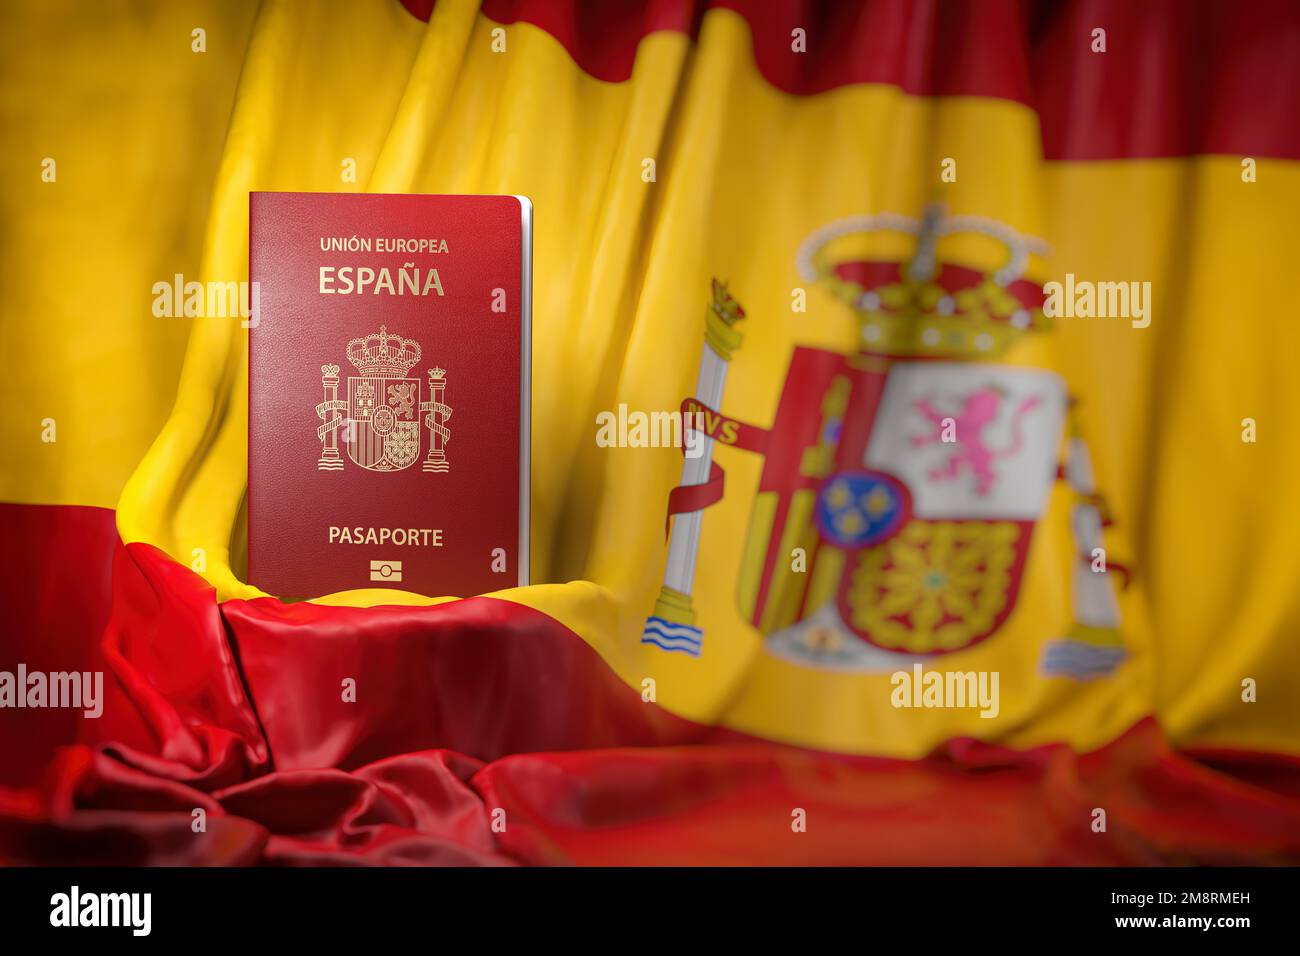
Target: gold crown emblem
<point x="381" y="353"/>
<point x="924" y="307"/>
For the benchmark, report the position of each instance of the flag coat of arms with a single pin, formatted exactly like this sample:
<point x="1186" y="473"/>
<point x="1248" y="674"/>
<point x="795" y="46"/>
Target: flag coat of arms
<point x="901" y="483"/>
<point x="914" y="544"/>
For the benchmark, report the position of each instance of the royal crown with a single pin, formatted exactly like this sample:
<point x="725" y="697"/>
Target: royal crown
<point x="720" y="320"/>
<point x="724" y="305"/>
<point x="924" y="307"/>
<point x="381" y="353"/>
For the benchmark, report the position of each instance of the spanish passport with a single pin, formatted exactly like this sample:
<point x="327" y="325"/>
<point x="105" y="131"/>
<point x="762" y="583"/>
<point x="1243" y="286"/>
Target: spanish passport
<point x="388" y="393"/>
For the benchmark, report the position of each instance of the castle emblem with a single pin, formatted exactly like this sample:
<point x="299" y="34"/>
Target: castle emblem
<point x="380" y="421"/>
<point x="911" y="473"/>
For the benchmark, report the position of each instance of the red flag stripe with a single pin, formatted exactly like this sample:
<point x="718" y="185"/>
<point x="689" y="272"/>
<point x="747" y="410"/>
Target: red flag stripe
<point x="1178" y="78"/>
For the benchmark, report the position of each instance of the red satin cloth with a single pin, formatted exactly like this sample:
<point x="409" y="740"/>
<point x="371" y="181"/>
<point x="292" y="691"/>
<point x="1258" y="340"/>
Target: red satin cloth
<point x="481" y="713"/>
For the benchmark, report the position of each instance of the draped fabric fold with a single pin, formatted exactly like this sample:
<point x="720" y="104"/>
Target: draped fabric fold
<point x="571" y="767"/>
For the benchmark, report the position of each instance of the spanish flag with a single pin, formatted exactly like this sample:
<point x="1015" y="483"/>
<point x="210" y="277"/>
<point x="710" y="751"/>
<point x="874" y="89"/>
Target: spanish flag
<point x="988" y="511"/>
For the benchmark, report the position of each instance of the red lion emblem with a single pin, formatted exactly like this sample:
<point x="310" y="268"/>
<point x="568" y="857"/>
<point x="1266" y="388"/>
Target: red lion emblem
<point x="979" y="410"/>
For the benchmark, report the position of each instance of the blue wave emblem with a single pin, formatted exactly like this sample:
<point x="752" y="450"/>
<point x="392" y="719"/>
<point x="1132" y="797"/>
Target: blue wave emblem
<point x="673" y="637"/>
<point x="1081" y="661"/>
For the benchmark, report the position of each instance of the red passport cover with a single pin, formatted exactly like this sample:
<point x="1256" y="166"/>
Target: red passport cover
<point x="388" y="359"/>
